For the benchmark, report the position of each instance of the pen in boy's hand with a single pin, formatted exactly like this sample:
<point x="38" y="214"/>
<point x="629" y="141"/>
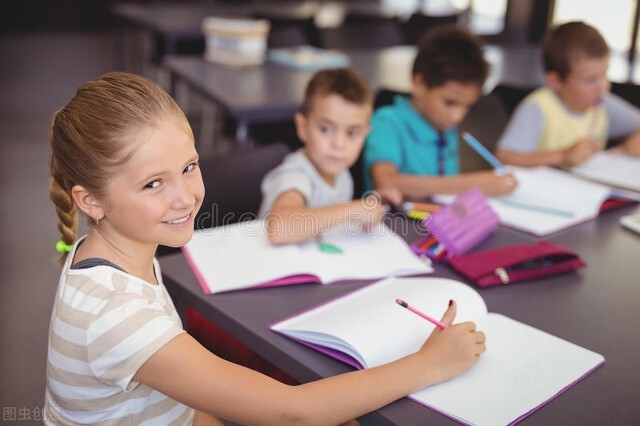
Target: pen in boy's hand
<point x="483" y="152"/>
<point x="404" y="304"/>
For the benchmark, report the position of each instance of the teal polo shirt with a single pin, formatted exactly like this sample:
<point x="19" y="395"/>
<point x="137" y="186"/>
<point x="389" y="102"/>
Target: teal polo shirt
<point x="400" y="135"/>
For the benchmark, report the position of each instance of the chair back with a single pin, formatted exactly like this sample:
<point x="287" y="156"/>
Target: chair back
<point x="362" y="33"/>
<point x="630" y="92"/>
<point x="232" y="184"/>
<point x="419" y="23"/>
<point x="511" y="96"/>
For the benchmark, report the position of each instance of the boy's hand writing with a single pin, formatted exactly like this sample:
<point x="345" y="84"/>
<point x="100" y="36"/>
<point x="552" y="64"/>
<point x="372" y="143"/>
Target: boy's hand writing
<point x="455" y="349"/>
<point x="580" y="152"/>
<point x="493" y="184"/>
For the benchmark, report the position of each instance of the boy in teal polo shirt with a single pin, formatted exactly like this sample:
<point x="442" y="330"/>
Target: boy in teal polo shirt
<point x="413" y="143"/>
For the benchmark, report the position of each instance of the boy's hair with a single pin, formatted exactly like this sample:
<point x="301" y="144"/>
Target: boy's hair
<point x="94" y="133"/>
<point x="448" y="54"/>
<point x="339" y="81"/>
<point x="570" y="42"/>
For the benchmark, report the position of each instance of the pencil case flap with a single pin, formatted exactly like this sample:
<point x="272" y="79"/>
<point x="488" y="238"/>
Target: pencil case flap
<point x="464" y="223"/>
<point x="515" y="263"/>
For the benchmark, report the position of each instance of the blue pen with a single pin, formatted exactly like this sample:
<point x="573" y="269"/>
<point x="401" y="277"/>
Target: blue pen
<point x="483" y="152"/>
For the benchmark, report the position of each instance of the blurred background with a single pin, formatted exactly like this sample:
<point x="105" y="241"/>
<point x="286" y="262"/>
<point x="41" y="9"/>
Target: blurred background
<point x="49" y="47"/>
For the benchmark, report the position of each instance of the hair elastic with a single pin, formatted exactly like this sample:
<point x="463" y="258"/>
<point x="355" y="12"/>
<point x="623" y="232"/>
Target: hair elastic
<point x="62" y="247"/>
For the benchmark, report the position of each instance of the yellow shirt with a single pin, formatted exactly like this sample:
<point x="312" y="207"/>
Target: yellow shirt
<point x="562" y="128"/>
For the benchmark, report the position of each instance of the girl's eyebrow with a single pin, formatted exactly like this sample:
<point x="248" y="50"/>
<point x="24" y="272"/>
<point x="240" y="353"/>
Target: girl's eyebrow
<point x="150" y="176"/>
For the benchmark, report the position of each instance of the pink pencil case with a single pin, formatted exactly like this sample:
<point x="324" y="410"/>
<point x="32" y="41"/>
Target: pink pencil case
<point x="460" y="226"/>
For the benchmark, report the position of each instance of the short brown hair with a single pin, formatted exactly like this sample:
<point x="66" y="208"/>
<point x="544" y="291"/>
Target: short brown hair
<point x="339" y="81"/>
<point x="449" y="53"/>
<point x="92" y="134"/>
<point x="569" y="42"/>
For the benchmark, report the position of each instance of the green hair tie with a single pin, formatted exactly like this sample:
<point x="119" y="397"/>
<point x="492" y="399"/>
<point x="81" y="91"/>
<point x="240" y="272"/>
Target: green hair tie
<point x="62" y="247"/>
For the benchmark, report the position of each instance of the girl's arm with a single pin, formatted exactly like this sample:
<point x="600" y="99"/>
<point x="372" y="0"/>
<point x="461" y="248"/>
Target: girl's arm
<point x="419" y="187"/>
<point x="187" y="372"/>
<point x="290" y="221"/>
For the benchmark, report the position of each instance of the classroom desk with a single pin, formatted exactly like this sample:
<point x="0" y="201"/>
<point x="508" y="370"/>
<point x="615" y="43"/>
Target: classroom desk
<point x="596" y="307"/>
<point x="273" y="92"/>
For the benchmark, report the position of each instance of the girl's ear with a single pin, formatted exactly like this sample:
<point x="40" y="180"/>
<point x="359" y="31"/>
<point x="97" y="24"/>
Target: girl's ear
<point x="87" y="202"/>
<point x="301" y="127"/>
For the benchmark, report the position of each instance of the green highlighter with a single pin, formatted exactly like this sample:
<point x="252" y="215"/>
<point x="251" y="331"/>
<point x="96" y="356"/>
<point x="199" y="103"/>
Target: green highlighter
<point x="329" y="248"/>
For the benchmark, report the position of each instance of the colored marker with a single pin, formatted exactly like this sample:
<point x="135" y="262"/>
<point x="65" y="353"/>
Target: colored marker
<point x="483" y="152"/>
<point x="417" y="214"/>
<point x="329" y="248"/>
<point x="534" y="208"/>
<point x="421" y="314"/>
<point x="423" y="207"/>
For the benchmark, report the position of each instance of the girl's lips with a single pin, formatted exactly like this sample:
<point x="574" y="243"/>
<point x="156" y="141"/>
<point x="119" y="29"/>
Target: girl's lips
<point x="179" y="220"/>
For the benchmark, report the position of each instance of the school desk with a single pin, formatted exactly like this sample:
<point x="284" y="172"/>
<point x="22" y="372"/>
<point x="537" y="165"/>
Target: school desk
<point x="273" y="92"/>
<point x="597" y="307"/>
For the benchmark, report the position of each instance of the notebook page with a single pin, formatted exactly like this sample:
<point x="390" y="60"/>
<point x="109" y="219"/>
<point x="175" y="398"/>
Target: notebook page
<point x="377" y="329"/>
<point x="368" y="254"/>
<point x="546" y="200"/>
<point x="522" y="369"/>
<point x="611" y="169"/>
<point x="238" y="256"/>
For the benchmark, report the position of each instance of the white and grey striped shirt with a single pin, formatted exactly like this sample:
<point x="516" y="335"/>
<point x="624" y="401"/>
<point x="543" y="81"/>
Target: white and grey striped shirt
<point x="105" y="324"/>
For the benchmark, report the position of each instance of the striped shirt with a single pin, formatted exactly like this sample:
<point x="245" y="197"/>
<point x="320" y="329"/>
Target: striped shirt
<point x="105" y="324"/>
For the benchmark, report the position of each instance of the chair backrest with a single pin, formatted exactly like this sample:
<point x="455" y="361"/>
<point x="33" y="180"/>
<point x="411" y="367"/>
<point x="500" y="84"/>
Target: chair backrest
<point x="485" y="120"/>
<point x="627" y="91"/>
<point x="362" y="33"/>
<point x="383" y="97"/>
<point x="511" y="96"/>
<point x="232" y="184"/>
<point x="419" y="23"/>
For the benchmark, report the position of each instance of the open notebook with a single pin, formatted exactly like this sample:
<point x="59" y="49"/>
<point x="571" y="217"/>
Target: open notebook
<point x="547" y="200"/>
<point x="522" y="369"/>
<point x="240" y="256"/>
<point x="612" y="169"/>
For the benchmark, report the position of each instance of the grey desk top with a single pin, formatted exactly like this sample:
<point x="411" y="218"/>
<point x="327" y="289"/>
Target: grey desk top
<point x="596" y="307"/>
<point x="273" y="91"/>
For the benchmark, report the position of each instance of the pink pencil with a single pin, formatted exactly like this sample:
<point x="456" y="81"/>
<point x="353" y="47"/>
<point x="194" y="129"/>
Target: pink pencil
<point x="422" y="314"/>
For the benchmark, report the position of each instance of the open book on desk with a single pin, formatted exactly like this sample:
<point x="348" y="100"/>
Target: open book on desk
<point x="612" y="169"/>
<point x="548" y="200"/>
<point x="522" y="369"/>
<point x="240" y="256"/>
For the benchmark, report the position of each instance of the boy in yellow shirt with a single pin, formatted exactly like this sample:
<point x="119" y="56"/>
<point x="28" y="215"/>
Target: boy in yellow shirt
<point x="565" y="122"/>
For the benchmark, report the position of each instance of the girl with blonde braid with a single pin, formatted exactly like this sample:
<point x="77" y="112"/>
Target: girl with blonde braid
<point x="123" y="154"/>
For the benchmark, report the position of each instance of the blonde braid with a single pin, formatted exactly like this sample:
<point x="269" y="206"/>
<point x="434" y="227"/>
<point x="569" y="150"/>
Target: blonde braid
<point x="67" y="214"/>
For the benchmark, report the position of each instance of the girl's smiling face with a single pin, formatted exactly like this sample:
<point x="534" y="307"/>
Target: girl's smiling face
<point x="153" y="197"/>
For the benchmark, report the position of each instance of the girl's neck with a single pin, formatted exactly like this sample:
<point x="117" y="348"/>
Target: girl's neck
<point x="136" y="259"/>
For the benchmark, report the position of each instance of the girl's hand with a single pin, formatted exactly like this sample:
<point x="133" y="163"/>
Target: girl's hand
<point x="454" y="349"/>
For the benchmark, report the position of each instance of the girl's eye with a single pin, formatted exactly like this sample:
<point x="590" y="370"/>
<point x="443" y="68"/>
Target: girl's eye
<point x="190" y="167"/>
<point x="152" y="184"/>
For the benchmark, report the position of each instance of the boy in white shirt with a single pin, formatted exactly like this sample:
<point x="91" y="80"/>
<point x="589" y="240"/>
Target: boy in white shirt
<point x="312" y="190"/>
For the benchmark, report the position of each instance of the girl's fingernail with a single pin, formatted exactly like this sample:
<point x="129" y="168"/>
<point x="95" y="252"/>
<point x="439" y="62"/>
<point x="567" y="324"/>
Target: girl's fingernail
<point x="450" y="302"/>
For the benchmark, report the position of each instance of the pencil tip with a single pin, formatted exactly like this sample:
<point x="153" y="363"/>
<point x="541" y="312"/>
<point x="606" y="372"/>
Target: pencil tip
<point x="401" y="303"/>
